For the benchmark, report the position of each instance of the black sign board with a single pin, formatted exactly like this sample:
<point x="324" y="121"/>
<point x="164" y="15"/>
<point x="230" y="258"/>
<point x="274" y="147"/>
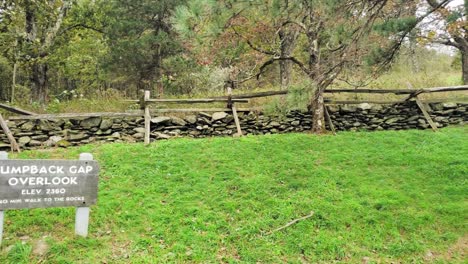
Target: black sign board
<point x="48" y="183"/>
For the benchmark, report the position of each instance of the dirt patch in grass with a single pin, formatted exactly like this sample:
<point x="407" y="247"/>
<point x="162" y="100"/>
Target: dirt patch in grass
<point x="456" y="251"/>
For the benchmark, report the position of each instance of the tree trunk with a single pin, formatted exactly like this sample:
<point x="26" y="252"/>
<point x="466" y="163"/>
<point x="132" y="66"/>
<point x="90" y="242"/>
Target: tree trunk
<point x="318" y="117"/>
<point x="13" y="83"/>
<point x="288" y="42"/>
<point x="39" y="83"/>
<point x="464" y="57"/>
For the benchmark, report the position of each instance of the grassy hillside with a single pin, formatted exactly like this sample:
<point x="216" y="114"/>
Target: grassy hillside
<point x="384" y="197"/>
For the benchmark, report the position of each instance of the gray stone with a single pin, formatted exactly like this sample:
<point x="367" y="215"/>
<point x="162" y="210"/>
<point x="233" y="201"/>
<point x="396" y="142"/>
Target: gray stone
<point x="178" y="121"/>
<point x="40" y="137"/>
<point x="461" y="110"/>
<point x="376" y="120"/>
<point x="228" y="119"/>
<point x="40" y="247"/>
<point x="104" y="132"/>
<point x="55" y="139"/>
<point x="204" y="120"/>
<point x="24" y="140"/>
<point x="141" y="130"/>
<point x="77" y="136"/>
<point x="203" y="114"/>
<point x="274" y="124"/>
<point x="295" y="123"/>
<point x="45" y="125"/>
<point x="392" y="120"/>
<point x="139" y="135"/>
<point x="449" y="105"/>
<point x="448" y="112"/>
<point x="413" y="118"/>
<point x="35" y="143"/>
<point x="161" y="135"/>
<point x="348" y="109"/>
<point x="59" y="123"/>
<point x="116" y="126"/>
<point x="160" y="120"/>
<point x="364" y="106"/>
<point x="228" y="132"/>
<point x="191" y="119"/>
<point x="28" y="126"/>
<point x="91" y="122"/>
<point x="125" y="138"/>
<point x="115" y="135"/>
<point x="218" y="116"/>
<point x="437" y="106"/>
<point x="140" y="120"/>
<point x="106" y="124"/>
<point x="174" y="132"/>
<point x="63" y="143"/>
<point x="67" y="125"/>
<point x="333" y="108"/>
<point x="194" y="133"/>
<point x="174" y="127"/>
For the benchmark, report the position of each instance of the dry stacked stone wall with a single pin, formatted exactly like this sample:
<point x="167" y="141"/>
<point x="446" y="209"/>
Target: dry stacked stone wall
<point x="366" y="117"/>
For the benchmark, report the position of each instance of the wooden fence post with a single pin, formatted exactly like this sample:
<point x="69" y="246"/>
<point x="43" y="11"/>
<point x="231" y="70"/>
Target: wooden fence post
<point x="234" y="112"/>
<point x="426" y="114"/>
<point x="3" y="156"/>
<point x="82" y="213"/>
<point x="147" y="117"/>
<point x="14" y="145"/>
<point x="327" y="116"/>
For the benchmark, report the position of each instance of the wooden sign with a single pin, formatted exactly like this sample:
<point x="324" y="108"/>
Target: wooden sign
<point x="47" y="183"/>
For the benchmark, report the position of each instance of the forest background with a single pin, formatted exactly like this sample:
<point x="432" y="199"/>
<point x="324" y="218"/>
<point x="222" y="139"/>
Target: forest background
<point x="71" y="56"/>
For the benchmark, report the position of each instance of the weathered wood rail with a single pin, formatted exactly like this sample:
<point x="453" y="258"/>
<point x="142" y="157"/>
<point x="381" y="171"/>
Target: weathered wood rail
<point x="146" y="101"/>
<point x="368" y="91"/>
<point x="16" y="110"/>
<point x="14" y="145"/>
<point x="230" y="100"/>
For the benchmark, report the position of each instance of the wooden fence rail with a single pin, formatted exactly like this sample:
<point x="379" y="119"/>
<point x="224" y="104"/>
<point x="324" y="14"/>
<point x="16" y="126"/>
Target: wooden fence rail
<point x="369" y="91"/>
<point x="197" y="101"/>
<point x="146" y="101"/>
<point x="16" y="110"/>
<point x="230" y="100"/>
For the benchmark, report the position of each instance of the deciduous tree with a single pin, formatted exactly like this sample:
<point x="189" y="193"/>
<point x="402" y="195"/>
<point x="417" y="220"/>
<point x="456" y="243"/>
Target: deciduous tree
<point x="454" y="32"/>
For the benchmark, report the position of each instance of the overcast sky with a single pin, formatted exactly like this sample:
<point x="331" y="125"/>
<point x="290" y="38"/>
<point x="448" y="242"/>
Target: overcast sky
<point x="456" y="2"/>
<point x="438" y="27"/>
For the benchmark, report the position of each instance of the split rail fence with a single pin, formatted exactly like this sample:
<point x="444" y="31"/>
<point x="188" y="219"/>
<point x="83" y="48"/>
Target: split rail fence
<point x="231" y="100"/>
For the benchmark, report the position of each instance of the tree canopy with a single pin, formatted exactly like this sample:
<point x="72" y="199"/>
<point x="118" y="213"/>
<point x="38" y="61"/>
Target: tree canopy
<point x="54" y="49"/>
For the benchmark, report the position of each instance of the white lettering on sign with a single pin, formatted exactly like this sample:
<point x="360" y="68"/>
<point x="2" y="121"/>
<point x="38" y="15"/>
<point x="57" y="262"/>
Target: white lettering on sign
<point x="33" y="181"/>
<point x="81" y="169"/>
<point x="47" y="183"/>
<point x="33" y="169"/>
<point x="31" y="191"/>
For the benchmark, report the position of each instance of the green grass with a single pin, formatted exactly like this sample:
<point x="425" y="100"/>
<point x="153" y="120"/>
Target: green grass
<point x="398" y="196"/>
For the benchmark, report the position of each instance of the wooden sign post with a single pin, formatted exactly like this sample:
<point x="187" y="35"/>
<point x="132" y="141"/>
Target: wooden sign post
<point x="49" y="183"/>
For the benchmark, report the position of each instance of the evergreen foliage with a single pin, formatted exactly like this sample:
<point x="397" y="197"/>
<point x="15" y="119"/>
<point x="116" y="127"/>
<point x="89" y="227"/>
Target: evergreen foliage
<point x="99" y="47"/>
